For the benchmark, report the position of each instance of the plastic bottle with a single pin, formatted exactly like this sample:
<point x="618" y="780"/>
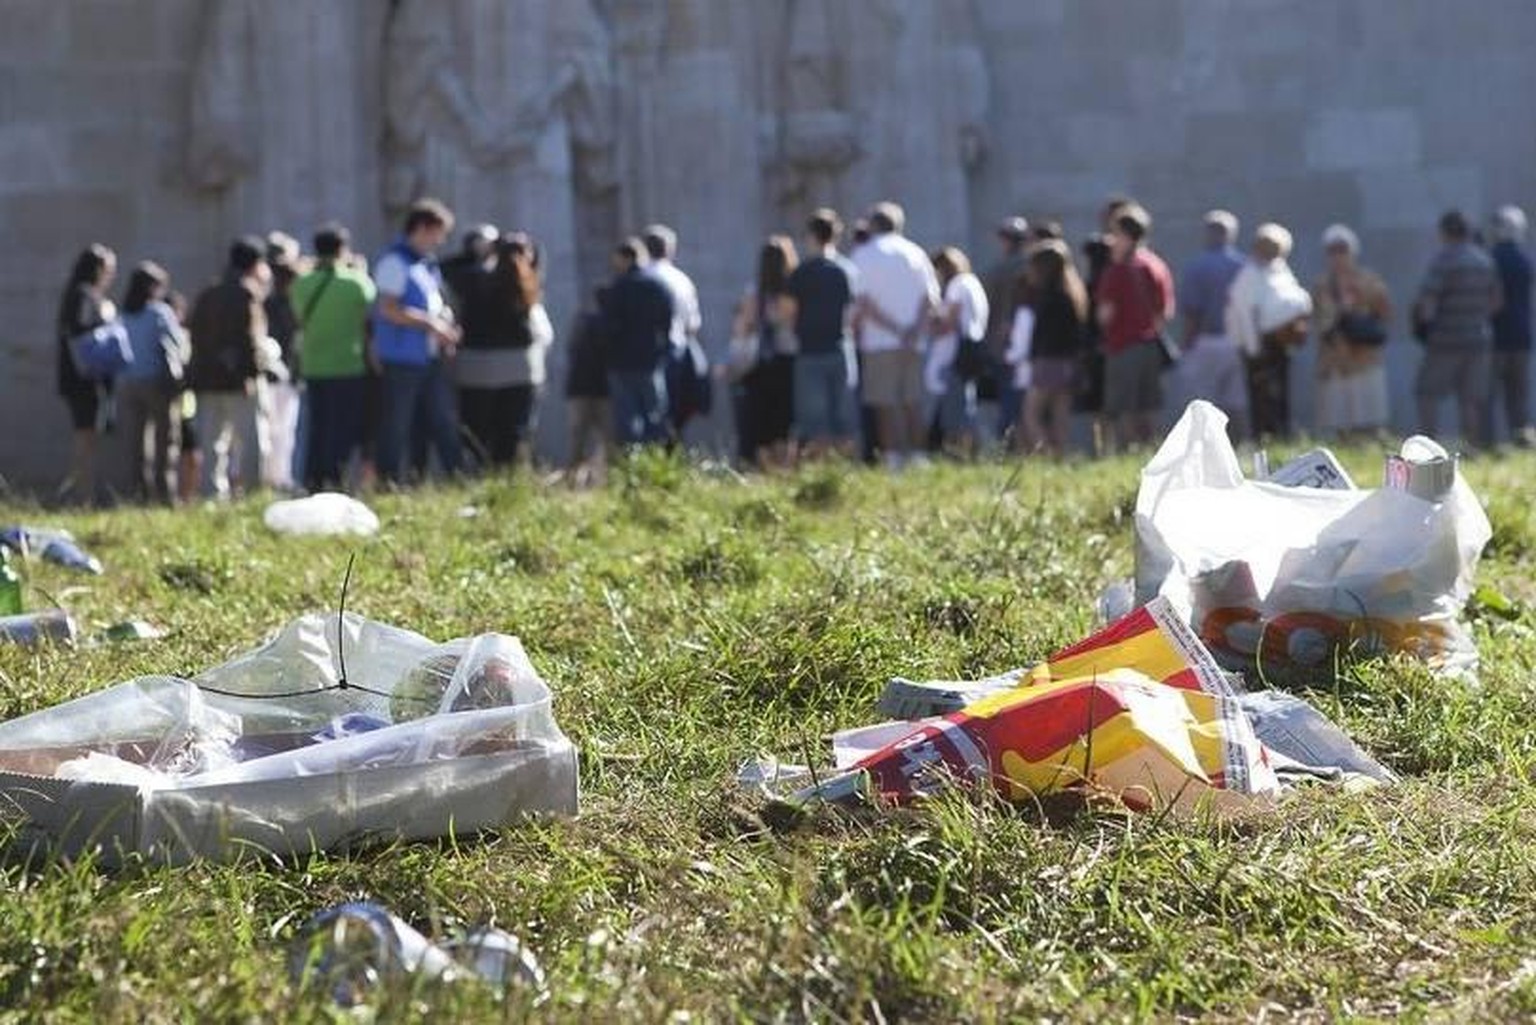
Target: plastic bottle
<point x="11" y="603"/>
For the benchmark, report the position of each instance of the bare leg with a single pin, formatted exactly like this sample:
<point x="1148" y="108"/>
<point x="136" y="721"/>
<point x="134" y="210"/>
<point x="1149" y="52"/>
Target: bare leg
<point x="1061" y="419"/>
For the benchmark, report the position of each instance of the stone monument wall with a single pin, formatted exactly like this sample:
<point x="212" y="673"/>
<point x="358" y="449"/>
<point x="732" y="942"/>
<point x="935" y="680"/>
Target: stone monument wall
<point x="164" y="127"/>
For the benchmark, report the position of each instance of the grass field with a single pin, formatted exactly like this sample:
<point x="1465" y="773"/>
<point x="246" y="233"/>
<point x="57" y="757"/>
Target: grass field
<point x="688" y="621"/>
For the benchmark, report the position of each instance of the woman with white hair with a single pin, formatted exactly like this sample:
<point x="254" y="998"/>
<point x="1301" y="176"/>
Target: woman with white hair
<point x="1512" y="329"/>
<point x="1267" y="315"/>
<point x="1353" y="311"/>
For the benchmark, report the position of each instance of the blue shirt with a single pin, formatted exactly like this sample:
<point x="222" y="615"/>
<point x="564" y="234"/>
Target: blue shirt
<point x="1512" y="324"/>
<point x="1204" y="286"/>
<point x="414" y="281"/>
<point x="149" y="331"/>
<point x="637" y="320"/>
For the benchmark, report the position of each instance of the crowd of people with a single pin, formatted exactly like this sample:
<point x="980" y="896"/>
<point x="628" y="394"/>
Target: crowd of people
<point x="310" y="372"/>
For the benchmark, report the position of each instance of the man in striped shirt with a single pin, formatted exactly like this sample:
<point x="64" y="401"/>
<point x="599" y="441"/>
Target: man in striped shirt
<point x="1460" y="294"/>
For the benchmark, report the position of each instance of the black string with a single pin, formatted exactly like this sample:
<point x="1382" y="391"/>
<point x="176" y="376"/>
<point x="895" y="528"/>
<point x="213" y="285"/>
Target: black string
<point x="341" y="621"/>
<point x="341" y="656"/>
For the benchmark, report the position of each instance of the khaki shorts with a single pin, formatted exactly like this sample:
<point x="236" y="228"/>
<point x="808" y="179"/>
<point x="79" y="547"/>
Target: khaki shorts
<point x="892" y="379"/>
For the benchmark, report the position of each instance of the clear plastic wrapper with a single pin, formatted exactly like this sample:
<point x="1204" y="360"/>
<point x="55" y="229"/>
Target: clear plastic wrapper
<point x="311" y="741"/>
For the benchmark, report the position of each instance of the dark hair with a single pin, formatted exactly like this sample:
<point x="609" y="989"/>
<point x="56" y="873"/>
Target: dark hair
<point x="1055" y="272"/>
<point x="824" y="226"/>
<point x="775" y="261"/>
<point x="660" y="241"/>
<point x="517" y="269"/>
<point x="245" y="253"/>
<point x="427" y="213"/>
<point x="887" y="217"/>
<point x="88" y="270"/>
<point x="860" y="231"/>
<point x="1453" y="224"/>
<point x="90" y="265"/>
<point x="147" y="278"/>
<point x="950" y="262"/>
<point x="1133" y="222"/>
<point x="630" y="249"/>
<point x="1044" y="231"/>
<point x="330" y="239"/>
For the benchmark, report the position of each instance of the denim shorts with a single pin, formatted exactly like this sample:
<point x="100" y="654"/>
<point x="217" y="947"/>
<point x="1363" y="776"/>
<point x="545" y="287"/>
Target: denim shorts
<point x="823" y="401"/>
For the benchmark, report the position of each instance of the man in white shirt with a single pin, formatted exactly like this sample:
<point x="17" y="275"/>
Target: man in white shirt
<point x="895" y="294"/>
<point x="687" y="320"/>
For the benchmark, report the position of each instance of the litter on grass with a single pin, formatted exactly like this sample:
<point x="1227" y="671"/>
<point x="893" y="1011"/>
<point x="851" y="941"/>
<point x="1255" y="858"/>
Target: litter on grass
<point x="353" y="951"/>
<point x="55" y="546"/>
<point x="325" y="514"/>
<point x="50" y="626"/>
<point x="337" y="730"/>
<point x="1278" y="579"/>
<point x="1139" y="710"/>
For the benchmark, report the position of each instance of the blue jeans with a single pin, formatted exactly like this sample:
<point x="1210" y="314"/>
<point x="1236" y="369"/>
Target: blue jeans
<point x="823" y="400"/>
<point x="417" y="394"/>
<point x="639" y="400"/>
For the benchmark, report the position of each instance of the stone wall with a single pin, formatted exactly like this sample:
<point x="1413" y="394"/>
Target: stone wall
<point x="163" y="127"/>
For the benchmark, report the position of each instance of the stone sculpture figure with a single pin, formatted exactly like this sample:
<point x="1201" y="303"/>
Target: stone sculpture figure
<point x="819" y="136"/>
<point x="222" y="133"/>
<point x="475" y="88"/>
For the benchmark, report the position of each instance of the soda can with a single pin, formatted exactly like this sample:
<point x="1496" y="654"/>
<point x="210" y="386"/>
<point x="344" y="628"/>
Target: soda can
<point x="54" y="626"/>
<point x="1423" y="468"/>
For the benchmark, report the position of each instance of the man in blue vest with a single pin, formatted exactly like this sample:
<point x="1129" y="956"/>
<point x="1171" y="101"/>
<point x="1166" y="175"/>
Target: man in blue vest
<point x="413" y="334"/>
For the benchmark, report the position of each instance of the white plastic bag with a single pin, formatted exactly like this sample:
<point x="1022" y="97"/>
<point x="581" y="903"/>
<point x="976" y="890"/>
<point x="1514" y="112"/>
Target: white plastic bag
<point x="1275" y="578"/>
<point x="323" y="514"/>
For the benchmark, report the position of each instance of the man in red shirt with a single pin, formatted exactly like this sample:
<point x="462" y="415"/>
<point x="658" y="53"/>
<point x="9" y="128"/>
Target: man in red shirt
<point x="1134" y="299"/>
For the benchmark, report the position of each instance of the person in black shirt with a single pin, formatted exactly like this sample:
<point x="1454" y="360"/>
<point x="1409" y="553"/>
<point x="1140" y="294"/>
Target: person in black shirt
<point x="637" y="326"/>
<point x="83" y="307"/>
<point x="821" y="294"/>
<point x="1060" y="305"/>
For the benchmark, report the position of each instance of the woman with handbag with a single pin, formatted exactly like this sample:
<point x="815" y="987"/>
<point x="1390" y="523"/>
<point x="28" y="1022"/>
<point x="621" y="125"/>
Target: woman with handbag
<point x="1353" y="309"/>
<point x="147" y="388"/>
<point x="83" y="307"/>
<point x="762" y="359"/>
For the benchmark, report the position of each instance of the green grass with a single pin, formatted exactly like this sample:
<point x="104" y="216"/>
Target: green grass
<point x="688" y="621"/>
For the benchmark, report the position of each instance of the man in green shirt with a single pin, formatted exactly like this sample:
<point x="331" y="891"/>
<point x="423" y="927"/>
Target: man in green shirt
<point x="332" y="304"/>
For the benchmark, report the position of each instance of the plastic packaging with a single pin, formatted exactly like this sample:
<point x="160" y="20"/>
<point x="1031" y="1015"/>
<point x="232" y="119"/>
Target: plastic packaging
<point x="1280" y="579"/>
<point x="33" y="628"/>
<point x="323" y="514"/>
<point x="310" y="741"/>
<point x="56" y="546"/>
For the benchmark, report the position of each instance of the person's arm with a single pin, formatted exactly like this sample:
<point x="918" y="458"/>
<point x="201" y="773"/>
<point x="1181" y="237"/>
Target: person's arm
<point x="1428" y="301"/>
<point x="1162" y="289"/>
<point x="1020" y="336"/>
<point x="1496" y="293"/>
<point x="1189" y="303"/>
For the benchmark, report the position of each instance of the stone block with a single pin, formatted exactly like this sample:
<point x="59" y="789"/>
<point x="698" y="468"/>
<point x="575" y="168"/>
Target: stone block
<point x="32" y="156"/>
<point x="1101" y="139"/>
<point x="1357" y="139"/>
<point x="35" y="31"/>
<point x="112" y="32"/>
<point x="1415" y="198"/>
<point x="1005" y="17"/>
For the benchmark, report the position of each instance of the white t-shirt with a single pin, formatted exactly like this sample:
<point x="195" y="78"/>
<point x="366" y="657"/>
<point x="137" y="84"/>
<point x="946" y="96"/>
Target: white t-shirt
<point x="1020" y="338"/>
<point x="968" y="299"/>
<point x="391" y="275"/>
<point x="686" y="317"/>
<point x="896" y="276"/>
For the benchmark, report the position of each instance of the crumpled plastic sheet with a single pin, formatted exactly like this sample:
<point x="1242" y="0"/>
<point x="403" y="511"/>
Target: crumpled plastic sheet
<point x="271" y="750"/>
